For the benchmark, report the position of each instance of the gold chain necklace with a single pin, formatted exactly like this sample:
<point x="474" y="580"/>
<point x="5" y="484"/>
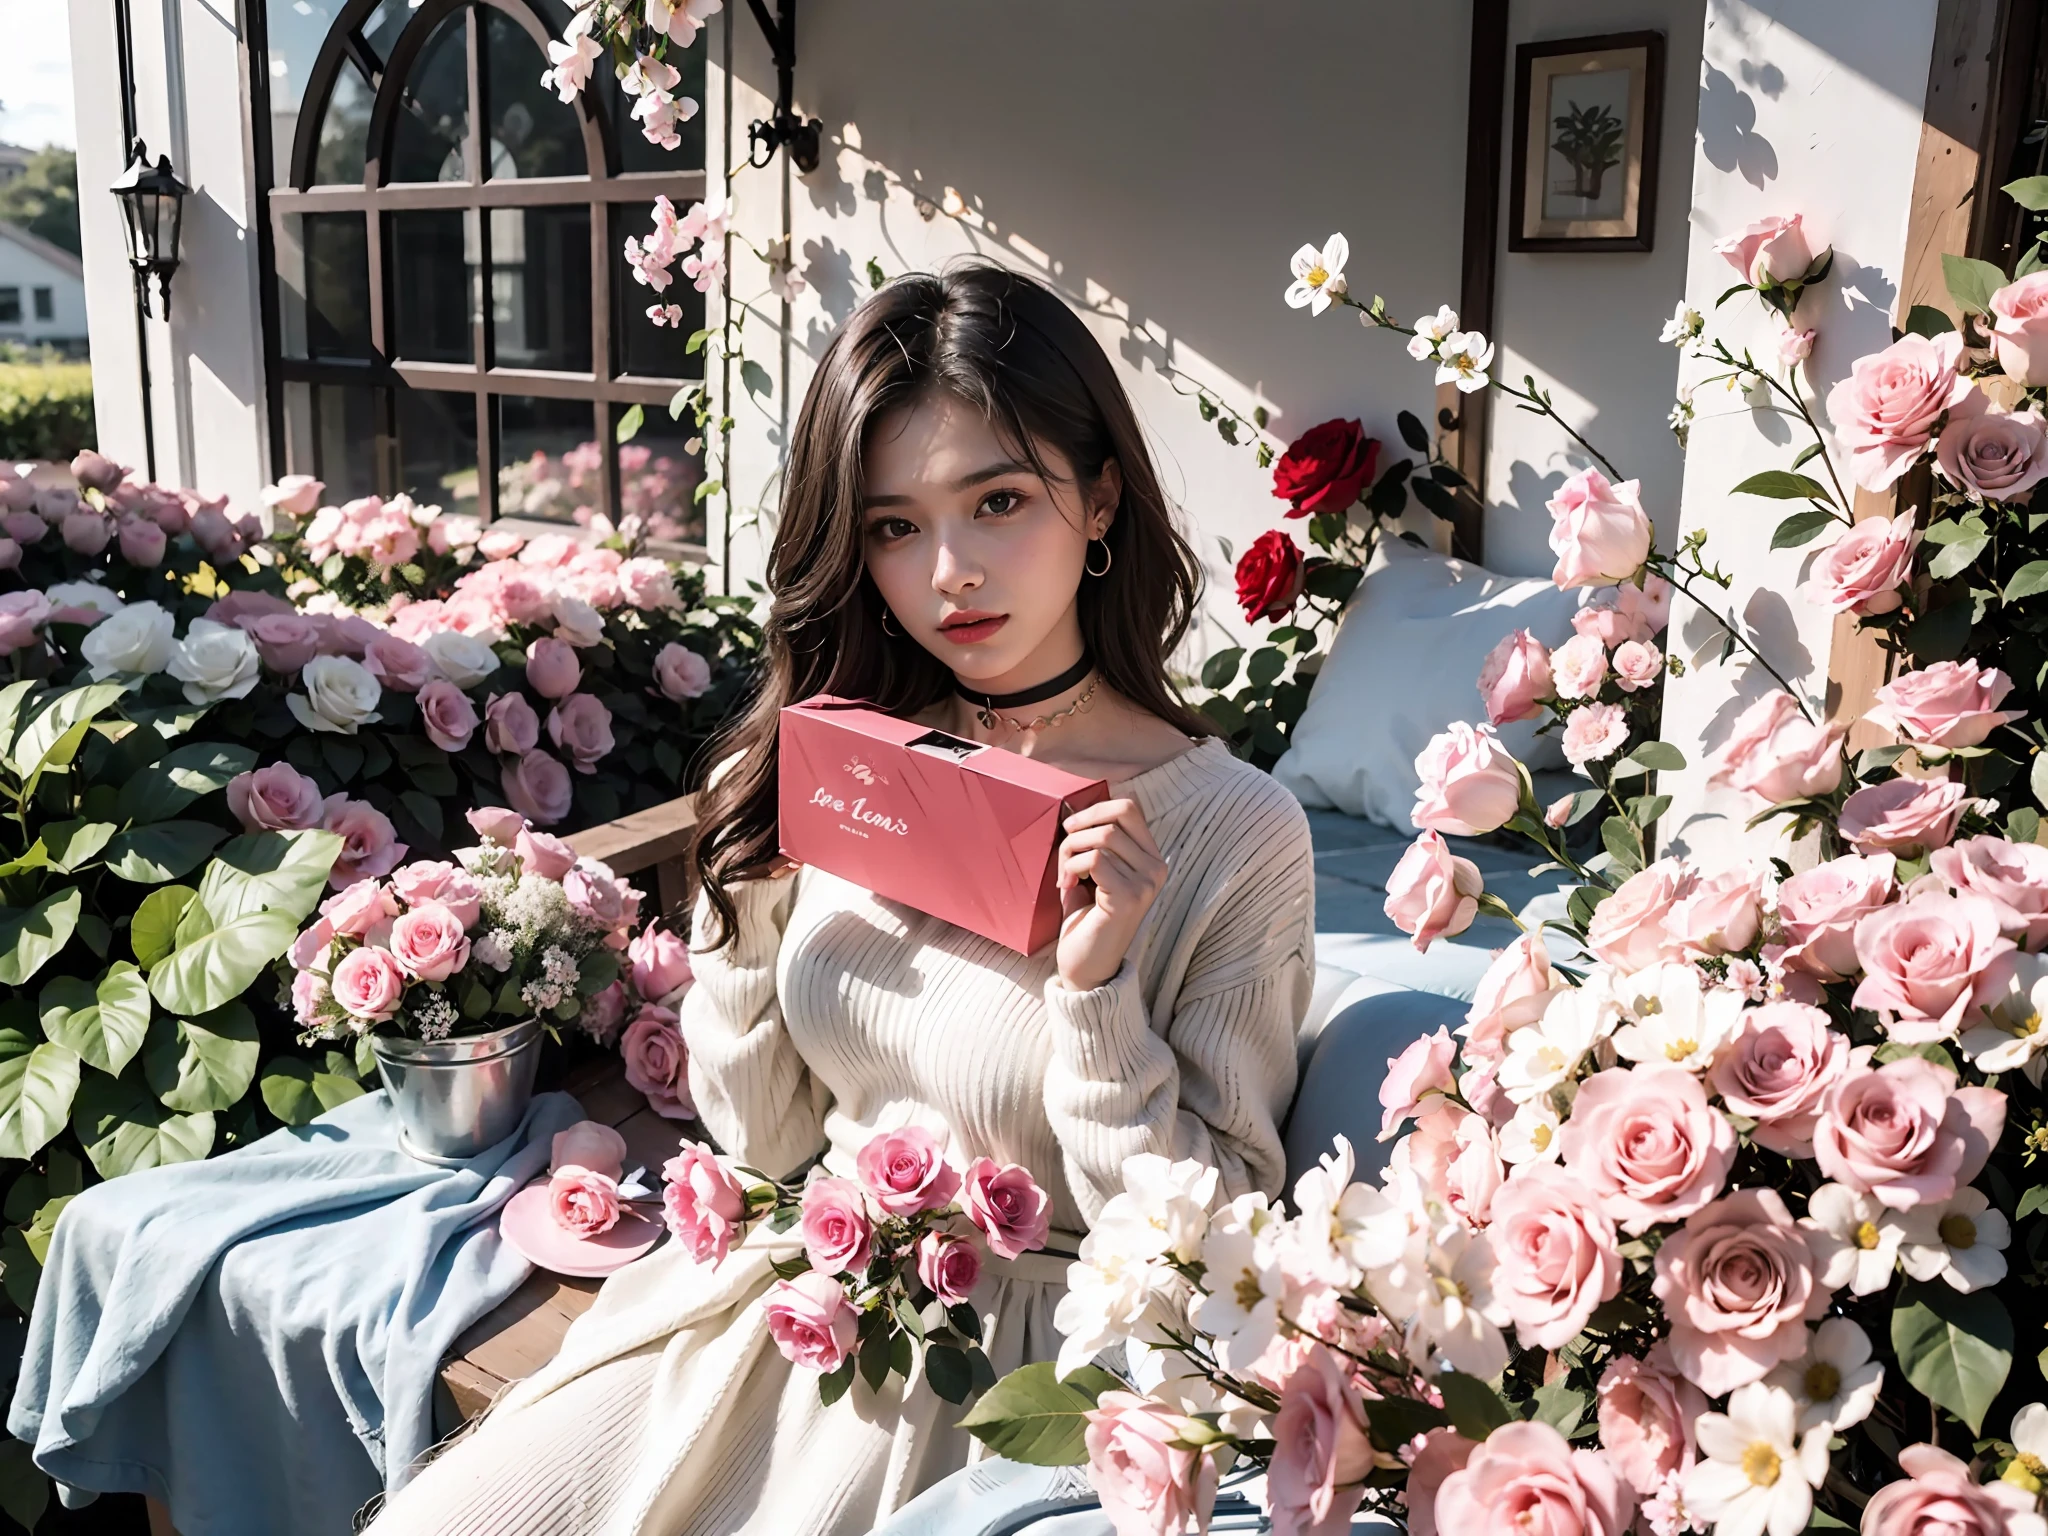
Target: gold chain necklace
<point x="989" y="718"/>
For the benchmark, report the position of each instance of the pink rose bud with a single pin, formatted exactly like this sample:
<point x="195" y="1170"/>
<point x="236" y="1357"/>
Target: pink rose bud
<point x="1632" y="928"/>
<point x="657" y="1064"/>
<point x="838" y="1237"/>
<point x="581" y="728"/>
<point x="906" y="1173"/>
<point x="1433" y="894"/>
<point x="401" y="665"/>
<point x="368" y="984"/>
<point x="370" y="845"/>
<point x="1886" y="411"/>
<point x="142" y="542"/>
<point x="1776" y="752"/>
<point x="24" y="527"/>
<point x="583" y="1201"/>
<point x="1770" y="251"/>
<point x="363" y="910"/>
<point x="1598" y="532"/>
<point x="811" y="1321"/>
<point x="2019" y="328"/>
<point x="446" y="714"/>
<point x="1470" y="785"/>
<point x="1795" y="346"/>
<point x="22" y="616"/>
<point x="1514" y="679"/>
<point x="703" y="1205"/>
<point x="297" y="495"/>
<point x="543" y="855"/>
<point x="1007" y="1205"/>
<point x="510" y="724"/>
<point x="277" y="798"/>
<point x="661" y="962"/>
<point x="589" y="1144"/>
<point x="496" y="823"/>
<point x="1512" y="994"/>
<point x="10" y="555"/>
<point x="949" y="1267"/>
<point x="603" y="1012"/>
<point x="1423" y="1068"/>
<point x="680" y="672"/>
<point x="87" y="533"/>
<point x="1637" y="665"/>
<point x="1558" y="812"/>
<point x="538" y="787"/>
<point x="96" y="472"/>
<point x="449" y="884"/>
<point x="1945" y="704"/>
<point x="552" y="669"/>
<point x="285" y="641"/>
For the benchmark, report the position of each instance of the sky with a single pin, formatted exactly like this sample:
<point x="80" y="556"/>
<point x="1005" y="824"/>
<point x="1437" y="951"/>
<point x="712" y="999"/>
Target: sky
<point x="35" y="74"/>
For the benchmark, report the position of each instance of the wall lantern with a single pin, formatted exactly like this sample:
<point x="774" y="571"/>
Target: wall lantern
<point x="152" y="208"/>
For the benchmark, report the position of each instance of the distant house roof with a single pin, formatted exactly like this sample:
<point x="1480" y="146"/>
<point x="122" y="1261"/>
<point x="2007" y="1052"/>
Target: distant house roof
<point x="55" y="255"/>
<point x="14" y="159"/>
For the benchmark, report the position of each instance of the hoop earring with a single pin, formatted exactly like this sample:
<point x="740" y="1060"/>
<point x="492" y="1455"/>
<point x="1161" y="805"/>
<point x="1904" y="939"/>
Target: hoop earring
<point x="1108" y="558"/>
<point x="886" y="617"/>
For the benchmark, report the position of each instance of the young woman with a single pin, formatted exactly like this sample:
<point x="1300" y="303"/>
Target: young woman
<point x="971" y="535"/>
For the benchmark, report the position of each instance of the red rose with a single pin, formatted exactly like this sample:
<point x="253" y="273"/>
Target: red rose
<point x="1325" y="468"/>
<point x="1269" y="576"/>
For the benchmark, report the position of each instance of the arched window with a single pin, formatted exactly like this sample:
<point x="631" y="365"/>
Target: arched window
<point x="452" y="316"/>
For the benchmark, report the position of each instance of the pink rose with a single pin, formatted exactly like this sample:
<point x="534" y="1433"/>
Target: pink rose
<point x="216" y="534"/>
<point x="1903" y="816"/>
<point x="361" y="910"/>
<point x="1631" y="929"/>
<point x="1432" y="893"/>
<point x="834" y="1225"/>
<point x="511" y="726"/>
<point x="309" y="991"/>
<point x="949" y="1266"/>
<point x="295" y="494"/>
<point x="1862" y="571"/>
<point x="581" y="727"/>
<point x="10" y="555"/>
<point x="583" y="1201"/>
<point x="1768" y="253"/>
<point x="278" y="798"/>
<point x="1423" y="1068"/>
<point x="680" y="672"/>
<point x="1722" y="912"/>
<point x="1938" y="1496"/>
<point x="1819" y="908"/>
<point x="1776" y="752"/>
<point x="1905" y="1134"/>
<point x="22" y="615"/>
<point x="370" y="845"/>
<point x="94" y="471"/>
<point x="450" y="884"/>
<point x="1646" y="1144"/>
<point x="549" y="550"/>
<point x="552" y="668"/>
<point x="1637" y="664"/>
<point x="428" y="942"/>
<point x="1512" y="994"/>
<point x="1470" y="784"/>
<point x="446" y="534"/>
<point x="648" y="583"/>
<point x="1647" y="1411"/>
<point x="1452" y="1153"/>
<point x="543" y="854"/>
<point x="1006" y="1203"/>
<point x="905" y="1173"/>
<point x="313" y="940"/>
<point x="601" y="898"/>
<point x="346" y="634"/>
<point x="702" y="1204"/>
<point x="1526" y="1476"/>
<point x="1443" y="1452"/>
<point x="604" y="1011"/>
<point x="1794" y="346"/>
<point x="400" y="664"/>
<point x="538" y="786"/>
<point x="1776" y="1068"/>
<point x="2012" y="876"/>
<point x="1149" y="1483"/>
<point x="1557" y="1254"/>
<point x="657" y="1065"/>
<point x="661" y="962"/>
<point x="1598" y="531"/>
<point x="811" y="1321"/>
<point x="1322" y="1454"/>
<point x="1991" y="454"/>
<point x="496" y="823"/>
<point x="446" y="714"/>
<point x="1515" y="678"/>
<point x="1945" y="704"/>
<point x="1928" y="961"/>
<point x="2019" y="325"/>
<point x="499" y="543"/>
<point x="86" y="532"/>
<point x="589" y="1144"/>
<point x="1738" y="1283"/>
<point x="1579" y="667"/>
<point x="1886" y="411"/>
<point x="1594" y="732"/>
<point x="368" y="983"/>
<point x="142" y="542"/>
<point x="24" y="527"/>
<point x="285" y="641"/>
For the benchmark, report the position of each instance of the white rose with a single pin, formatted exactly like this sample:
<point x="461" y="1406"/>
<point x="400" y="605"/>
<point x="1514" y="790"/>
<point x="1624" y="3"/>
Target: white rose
<point x="83" y="594"/>
<point x="463" y="659"/>
<point x="340" y="695"/>
<point x="217" y="661"/>
<point x="577" y="622"/>
<point x="140" y="638"/>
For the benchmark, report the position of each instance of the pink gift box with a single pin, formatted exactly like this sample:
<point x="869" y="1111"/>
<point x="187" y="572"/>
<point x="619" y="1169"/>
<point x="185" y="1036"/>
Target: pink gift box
<point x="966" y="832"/>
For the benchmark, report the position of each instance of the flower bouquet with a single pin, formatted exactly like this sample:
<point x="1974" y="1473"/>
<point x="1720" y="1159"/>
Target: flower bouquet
<point x="891" y="1257"/>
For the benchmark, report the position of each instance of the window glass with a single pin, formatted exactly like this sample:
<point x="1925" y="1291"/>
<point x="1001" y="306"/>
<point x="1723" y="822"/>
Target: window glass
<point x="437" y="447"/>
<point x="46" y="304"/>
<point x="296" y="29"/>
<point x="641" y="346"/>
<point x="345" y="434"/>
<point x="380" y="31"/>
<point x="331" y="315"/>
<point x="540" y="287"/>
<point x="344" y="131"/>
<point x="635" y="153"/>
<point x="548" y="458"/>
<point x="658" y="474"/>
<point x="533" y="131"/>
<point x="433" y="261"/>
<point x="433" y="109"/>
<point x="10" y="306"/>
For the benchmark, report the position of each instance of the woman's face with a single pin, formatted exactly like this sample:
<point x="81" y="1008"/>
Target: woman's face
<point x="978" y="556"/>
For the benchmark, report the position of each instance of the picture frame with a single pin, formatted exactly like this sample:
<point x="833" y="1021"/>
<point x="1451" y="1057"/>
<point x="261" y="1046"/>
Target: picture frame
<point x="1588" y="115"/>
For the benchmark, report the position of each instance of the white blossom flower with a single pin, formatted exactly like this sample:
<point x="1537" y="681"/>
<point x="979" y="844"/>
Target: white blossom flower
<point x="1243" y="1284"/>
<point x="1531" y="1136"/>
<point x="1544" y="1055"/>
<point x="1162" y="1210"/>
<point x="216" y="661"/>
<point x="577" y="622"/>
<point x="1319" y="275"/>
<point x="138" y="640"/>
<point x="1835" y="1382"/>
<point x="1680" y="418"/>
<point x="1443" y="1286"/>
<point x="1854" y="1238"/>
<point x="572" y="59"/>
<point x="1755" y="1472"/>
<point x="2029" y="1468"/>
<point x="1430" y="332"/>
<point x="1675" y="1016"/>
<point x="1962" y="1239"/>
<point x="1463" y="359"/>
<point x="341" y="695"/>
<point x="2009" y="1035"/>
<point x="83" y="594"/>
<point x="1342" y="1230"/>
<point x="1685" y="324"/>
<point x="465" y="660"/>
<point x="1111" y="1296"/>
<point x="682" y="20"/>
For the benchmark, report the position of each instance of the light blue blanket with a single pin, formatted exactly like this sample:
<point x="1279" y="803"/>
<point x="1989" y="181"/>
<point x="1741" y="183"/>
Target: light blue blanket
<point x="254" y="1339"/>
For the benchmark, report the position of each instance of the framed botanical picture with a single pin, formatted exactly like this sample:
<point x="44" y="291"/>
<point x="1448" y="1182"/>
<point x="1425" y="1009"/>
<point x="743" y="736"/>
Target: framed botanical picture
<point x="1584" y="167"/>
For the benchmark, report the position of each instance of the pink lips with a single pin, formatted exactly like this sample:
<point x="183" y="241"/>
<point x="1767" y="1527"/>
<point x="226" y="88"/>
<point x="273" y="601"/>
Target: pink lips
<point x="974" y="630"/>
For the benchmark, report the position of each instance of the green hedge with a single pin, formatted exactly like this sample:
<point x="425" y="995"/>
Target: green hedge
<point x="45" y="410"/>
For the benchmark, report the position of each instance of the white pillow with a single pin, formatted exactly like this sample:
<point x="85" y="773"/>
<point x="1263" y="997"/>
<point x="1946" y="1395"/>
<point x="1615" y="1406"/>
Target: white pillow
<point x="1405" y="664"/>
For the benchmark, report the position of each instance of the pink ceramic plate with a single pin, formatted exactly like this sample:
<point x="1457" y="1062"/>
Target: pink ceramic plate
<point x="529" y="1226"/>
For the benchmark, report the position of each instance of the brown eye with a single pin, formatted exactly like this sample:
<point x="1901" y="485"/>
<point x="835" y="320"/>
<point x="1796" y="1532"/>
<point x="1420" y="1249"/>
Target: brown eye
<point x="1001" y="503"/>
<point x="891" y="528"/>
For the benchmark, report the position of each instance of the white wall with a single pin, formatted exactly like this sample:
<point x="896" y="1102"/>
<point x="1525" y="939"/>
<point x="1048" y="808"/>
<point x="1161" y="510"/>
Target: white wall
<point x="24" y="268"/>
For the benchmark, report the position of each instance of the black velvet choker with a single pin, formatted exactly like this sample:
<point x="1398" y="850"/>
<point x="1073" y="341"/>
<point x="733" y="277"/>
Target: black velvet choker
<point x="1050" y="688"/>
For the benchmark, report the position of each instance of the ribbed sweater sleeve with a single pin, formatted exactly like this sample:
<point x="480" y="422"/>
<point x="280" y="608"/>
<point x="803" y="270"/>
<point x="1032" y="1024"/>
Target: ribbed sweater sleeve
<point x="1208" y="1070"/>
<point x="754" y="1094"/>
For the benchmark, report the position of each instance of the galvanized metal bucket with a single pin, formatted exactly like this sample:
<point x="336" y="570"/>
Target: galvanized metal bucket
<point x="456" y="1097"/>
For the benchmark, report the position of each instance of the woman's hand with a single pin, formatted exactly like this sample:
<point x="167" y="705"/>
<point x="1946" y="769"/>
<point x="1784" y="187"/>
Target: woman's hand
<point x="1110" y="874"/>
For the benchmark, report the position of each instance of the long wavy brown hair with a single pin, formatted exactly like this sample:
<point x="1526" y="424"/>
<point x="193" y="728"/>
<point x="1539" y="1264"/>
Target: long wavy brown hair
<point x="1010" y="348"/>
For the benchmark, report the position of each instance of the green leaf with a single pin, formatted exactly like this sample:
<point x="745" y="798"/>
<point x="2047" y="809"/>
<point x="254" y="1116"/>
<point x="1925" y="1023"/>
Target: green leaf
<point x="24" y="1487"/>
<point x="68" y="844"/>
<point x="833" y="1384"/>
<point x="1783" y="485"/>
<point x="755" y="379"/>
<point x="161" y="851"/>
<point x="269" y="871"/>
<point x="43" y="1227"/>
<point x="30" y="940"/>
<point x="2030" y="192"/>
<point x="1412" y="431"/>
<point x="2028" y="579"/>
<point x="1926" y="320"/>
<point x="104" y="1025"/>
<point x="1475" y="1408"/>
<point x="218" y="968"/>
<point x="1802" y="528"/>
<point x="629" y="424"/>
<point x="37" y="747"/>
<point x="125" y="1130"/>
<point x="1265" y="667"/>
<point x="874" y="1359"/>
<point x="946" y="1369"/>
<point x="1926" y="1050"/>
<point x="1398" y="1420"/>
<point x="1031" y="1416"/>
<point x="1958" y="557"/>
<point x="151" y="931"/>
<point x="173" y="782"/>
<point x="1956" y="1349"/>
<point x="1220" y="670"/>
<point x="37" y="1085"/>
<point x="1624" y="842"/>
<point x="297" y="1092"/>
<point x="1659" y="755"/>
<point x="1971" y="283"/>
<point x="1562" y="1405"/>
<point x="2033" y="1200"/>
<point x="1939" y="635"/>
<point x="205" y="1063"/>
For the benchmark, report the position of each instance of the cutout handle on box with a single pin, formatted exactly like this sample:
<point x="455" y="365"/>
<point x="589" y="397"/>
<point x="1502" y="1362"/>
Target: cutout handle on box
<point x="939" y="744"/>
